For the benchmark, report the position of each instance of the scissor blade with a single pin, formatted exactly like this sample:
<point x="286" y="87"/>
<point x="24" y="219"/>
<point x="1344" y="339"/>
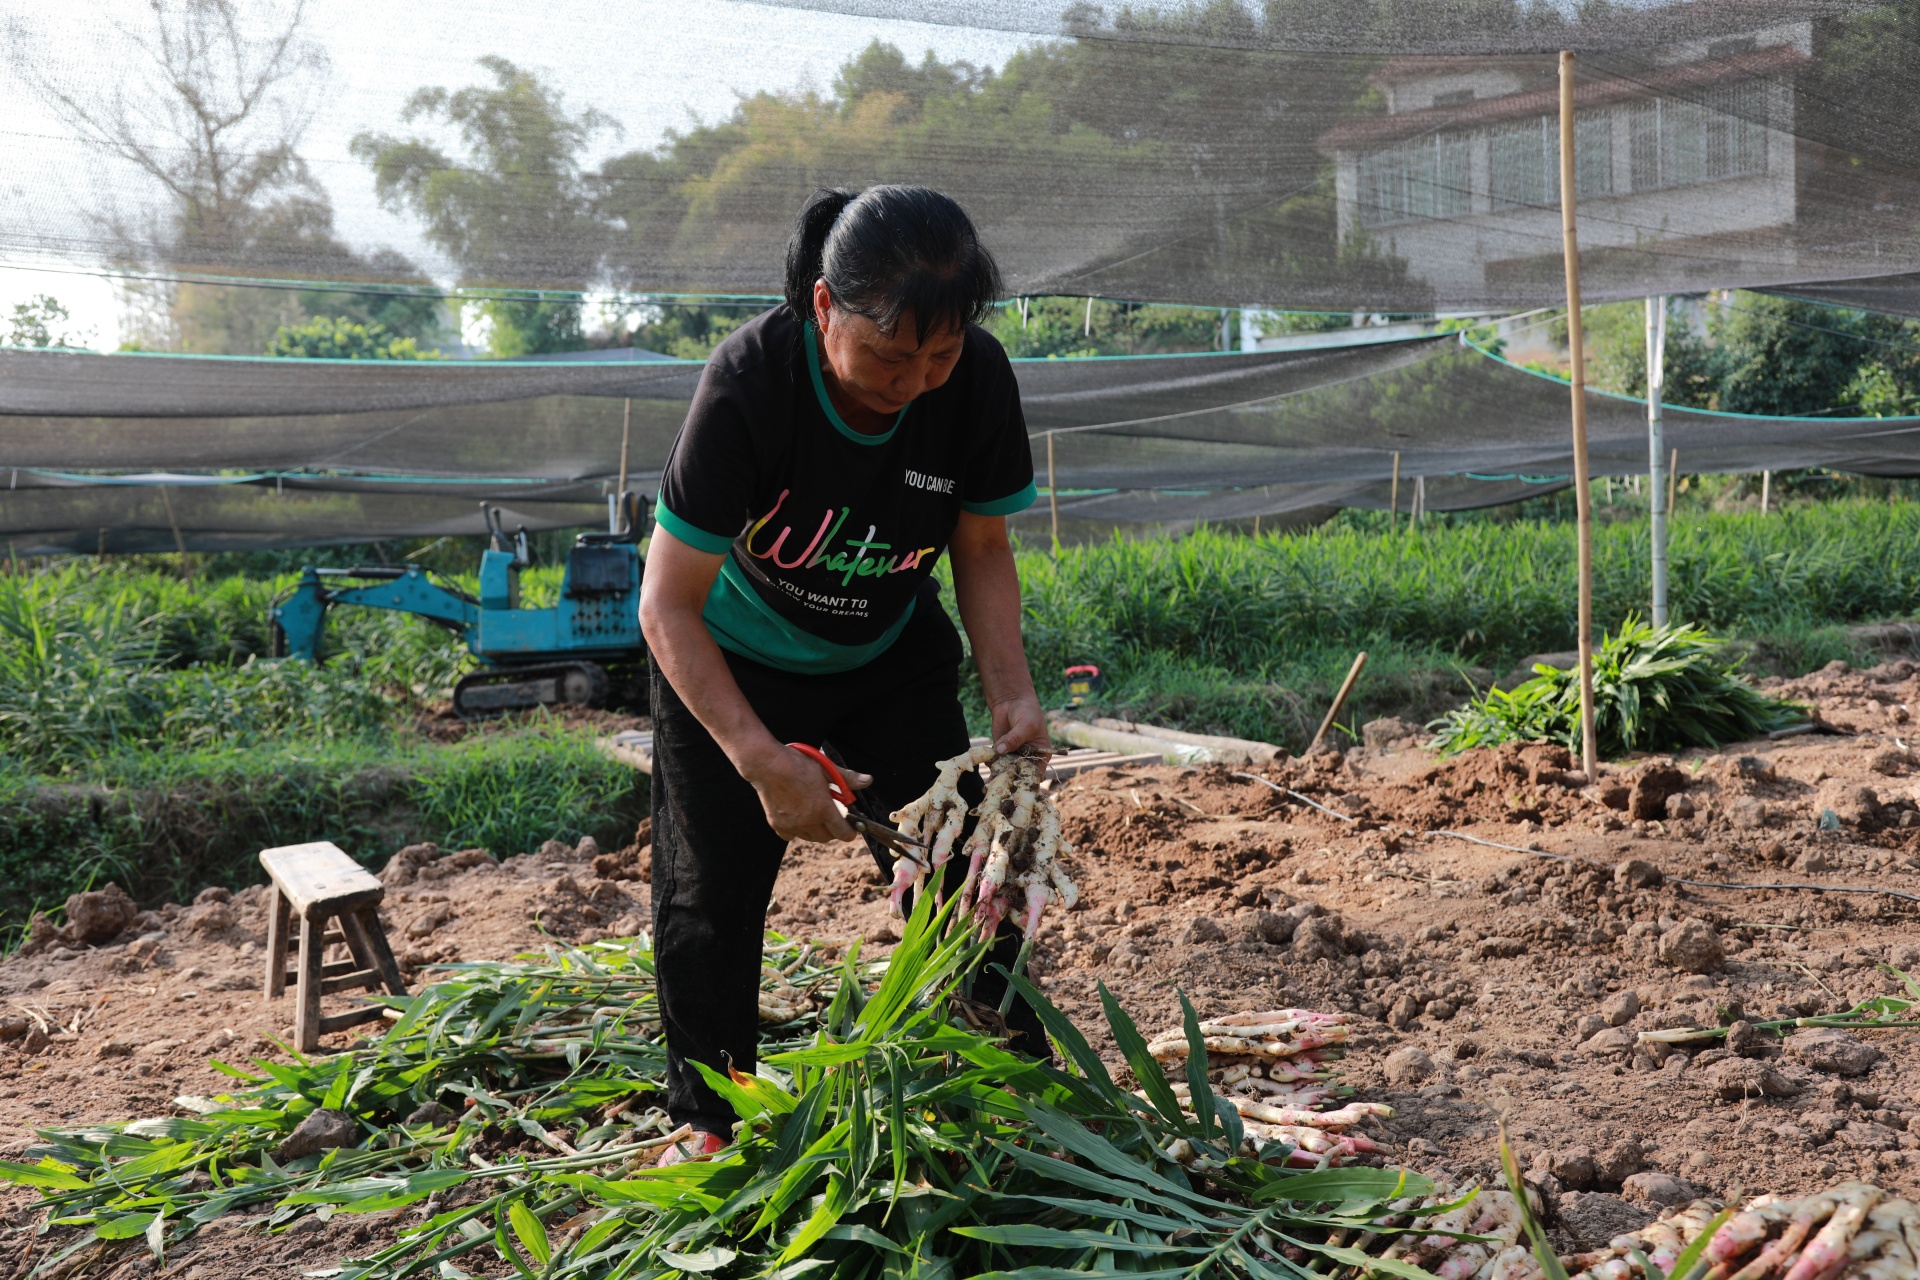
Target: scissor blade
<point x="884" y="834"/>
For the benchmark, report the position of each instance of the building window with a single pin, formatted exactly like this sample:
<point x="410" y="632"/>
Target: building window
<point x="1425" y="178"/>
<point x="1524" y="160"/>
<point x="1678" y="143"/>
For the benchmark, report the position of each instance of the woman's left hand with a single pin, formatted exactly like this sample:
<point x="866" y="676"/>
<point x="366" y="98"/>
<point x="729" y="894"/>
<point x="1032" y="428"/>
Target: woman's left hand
<point x="1019" y="722"/>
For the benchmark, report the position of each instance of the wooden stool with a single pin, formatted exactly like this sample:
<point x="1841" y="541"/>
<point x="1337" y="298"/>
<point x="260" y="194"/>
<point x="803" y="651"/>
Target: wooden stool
<point x="325" y="887"/>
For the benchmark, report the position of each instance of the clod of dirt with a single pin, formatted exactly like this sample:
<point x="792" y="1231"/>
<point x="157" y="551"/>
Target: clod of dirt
<point x="1403" y="1012"/>
<point x="97" y="916"/>
<point x="1619" y="1162"/>
<point x="430" y="1113"/>
<point x="210" y="917"/>
<point x="1659" y="1190"/>
<point x="1272" y="927"/>
<point x="1574" y="1166"/>
<point x="1693" y="946"/>
<point x="432" y="918"/>
<point x="1749" y="813"/>
<point x="1610" y="1041"/>
<point x="1587" y="1028"/>
<point x="213" y="893"/>
<point x="1679" y="806"/>
<point x="1832" y="1050"/>
<point x="1853" y="805"/>
<point x="1389" y="731"/>
<point x="1204" y="929"/>
<point x="404" y="867"/>
<point x="1651" y="789"/>
<point x="1594" y="1217"/>
<point x="1747" y="1041"/>
<point x="1408" y="1065"/>
<point x="1620" y="1009"/>
<point x="1318" y="938"/>
<point x="321" y="1131"/>
<point x="1635" y="874"/>
<point x="1736" y="1079"/>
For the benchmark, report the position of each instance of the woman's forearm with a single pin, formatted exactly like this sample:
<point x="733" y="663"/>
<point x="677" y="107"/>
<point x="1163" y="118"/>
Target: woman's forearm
<point x="986" y="587"/>
<point x="698" y="672"/>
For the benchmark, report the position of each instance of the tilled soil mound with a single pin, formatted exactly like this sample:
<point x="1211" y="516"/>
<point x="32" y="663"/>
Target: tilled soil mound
<point x="1490" y="981"/>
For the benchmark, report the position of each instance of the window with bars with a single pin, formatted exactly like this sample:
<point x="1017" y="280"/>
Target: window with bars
<point x="1679" y="143"/>
<point x="1427" y="178"/>
<point x="1524" y="160"/>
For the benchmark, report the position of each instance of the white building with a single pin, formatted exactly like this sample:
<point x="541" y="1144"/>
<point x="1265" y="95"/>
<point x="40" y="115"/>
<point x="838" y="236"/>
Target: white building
<point x="1681" y="169"/>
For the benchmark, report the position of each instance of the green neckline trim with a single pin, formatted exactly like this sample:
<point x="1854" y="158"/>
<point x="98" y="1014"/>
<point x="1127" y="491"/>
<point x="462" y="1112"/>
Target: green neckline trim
<point x="826" y="401"/>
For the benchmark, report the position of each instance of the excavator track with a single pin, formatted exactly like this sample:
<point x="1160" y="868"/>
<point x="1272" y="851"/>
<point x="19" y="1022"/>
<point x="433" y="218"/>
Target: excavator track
<point x="500" y="690"/>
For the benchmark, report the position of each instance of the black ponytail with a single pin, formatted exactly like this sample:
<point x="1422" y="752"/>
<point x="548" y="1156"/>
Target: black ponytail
<point x="888" y="251"/>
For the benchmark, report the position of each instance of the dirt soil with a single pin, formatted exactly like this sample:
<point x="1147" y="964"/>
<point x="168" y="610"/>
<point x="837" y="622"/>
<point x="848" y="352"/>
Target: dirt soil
<point x="1490" y="981"/>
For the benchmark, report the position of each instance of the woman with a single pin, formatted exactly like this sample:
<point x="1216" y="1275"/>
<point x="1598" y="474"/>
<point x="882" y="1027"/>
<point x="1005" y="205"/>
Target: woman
<point x="837" y="445"/>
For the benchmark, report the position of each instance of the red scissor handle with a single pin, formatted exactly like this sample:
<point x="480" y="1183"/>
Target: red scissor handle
<point x="836" y="784"/>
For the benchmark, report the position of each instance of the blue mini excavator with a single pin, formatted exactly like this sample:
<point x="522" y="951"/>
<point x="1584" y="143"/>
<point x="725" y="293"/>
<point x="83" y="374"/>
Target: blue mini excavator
<point x="584" y="651"/>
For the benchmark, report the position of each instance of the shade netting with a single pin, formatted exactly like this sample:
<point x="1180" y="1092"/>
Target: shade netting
<point x="1164" y="441"/>
<point x="1292" y="153"/>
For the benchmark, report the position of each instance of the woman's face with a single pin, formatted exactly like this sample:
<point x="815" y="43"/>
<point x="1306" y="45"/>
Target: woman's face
<point x="882" y="372"/>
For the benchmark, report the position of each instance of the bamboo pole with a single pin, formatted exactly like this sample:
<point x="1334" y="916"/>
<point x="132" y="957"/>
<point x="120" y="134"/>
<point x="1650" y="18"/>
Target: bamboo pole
<point x="1583" y="500"/>
<point x="626" y="440"/>
<point x="180" y="543"/>
<point x="1673" y="478"/>
<point x="1339" y="700"/>
<point x="1053" y="496"/>
<point x="1766" y="490"/>
<point x="1393" y="503"/>
<point x="1657" y="453"/>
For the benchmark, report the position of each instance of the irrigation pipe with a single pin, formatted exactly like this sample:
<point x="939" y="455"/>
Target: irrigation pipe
<point x="1565" y="857"/>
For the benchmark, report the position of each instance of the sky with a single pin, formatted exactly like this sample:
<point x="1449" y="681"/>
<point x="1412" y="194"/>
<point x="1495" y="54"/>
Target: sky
<point x="653" y="65"/>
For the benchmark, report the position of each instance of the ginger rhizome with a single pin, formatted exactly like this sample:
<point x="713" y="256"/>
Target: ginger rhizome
<point x="1012" y="856"/>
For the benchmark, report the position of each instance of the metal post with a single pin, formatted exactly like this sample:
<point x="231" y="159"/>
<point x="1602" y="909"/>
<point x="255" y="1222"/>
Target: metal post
<point x="1393" y="502"/>
<point x="1657" y="452"/>
<point x="1583" y="501"/>
<point x="1053" y="495"/>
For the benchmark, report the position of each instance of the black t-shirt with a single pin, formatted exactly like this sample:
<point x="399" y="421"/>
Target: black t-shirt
<point x="829" y="532"/>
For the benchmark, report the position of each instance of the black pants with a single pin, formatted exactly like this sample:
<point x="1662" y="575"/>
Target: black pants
<point x="715" y="857"/>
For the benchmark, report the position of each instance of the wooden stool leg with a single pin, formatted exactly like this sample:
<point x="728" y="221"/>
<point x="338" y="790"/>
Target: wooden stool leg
<point x="306" y="1019"/>
<point x="379" y="955"/>
<point x="279" y="916"/>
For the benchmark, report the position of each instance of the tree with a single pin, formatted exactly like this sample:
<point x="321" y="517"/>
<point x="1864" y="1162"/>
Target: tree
<point x="339" y="338"/>
<point x="41" y="322"/>
<point x="516" y="207"/>
<point x="210" y="111"/>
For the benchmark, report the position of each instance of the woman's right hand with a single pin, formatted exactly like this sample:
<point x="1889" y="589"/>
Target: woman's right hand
<point x="793" y="792"/>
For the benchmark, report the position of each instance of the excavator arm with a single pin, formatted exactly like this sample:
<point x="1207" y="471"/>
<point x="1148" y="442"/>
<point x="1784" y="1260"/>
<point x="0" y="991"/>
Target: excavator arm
<point x="300" y="620"/>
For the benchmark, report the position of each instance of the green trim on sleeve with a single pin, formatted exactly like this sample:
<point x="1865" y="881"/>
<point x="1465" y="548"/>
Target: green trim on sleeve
<point x="1004" y="506"/>
<point x="699" y="539"/>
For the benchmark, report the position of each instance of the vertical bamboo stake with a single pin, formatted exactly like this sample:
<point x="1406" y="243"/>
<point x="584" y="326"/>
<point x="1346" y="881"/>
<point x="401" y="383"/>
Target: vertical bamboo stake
<point x="1393" y="503"/>
<point x="1339" y="700"/>
<point x="1673" y="478"/>
<point x="1583" y="501"/>
<point x="166" y="496"/>
<point x="1089" y="324"/>
<point x="1766" y="490"/>
<point x="1053" y="495"/>
<point x="1657" y="453"/>
<point x="626" y="439"/>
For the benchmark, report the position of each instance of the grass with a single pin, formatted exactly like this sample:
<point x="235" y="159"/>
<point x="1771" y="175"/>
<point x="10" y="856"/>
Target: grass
<point x="1249" y="636"/>
<point x="144" y="737"/>
<point x="882" y="1135"/>
<point x="163" y="825"/>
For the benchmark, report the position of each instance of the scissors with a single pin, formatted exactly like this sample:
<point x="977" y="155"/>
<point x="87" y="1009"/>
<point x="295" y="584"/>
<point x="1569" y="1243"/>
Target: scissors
<point x="837" y="788"/>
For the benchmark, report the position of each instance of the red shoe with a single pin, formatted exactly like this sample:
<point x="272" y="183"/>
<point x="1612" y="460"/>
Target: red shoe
<point x="698" y="1146"/>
